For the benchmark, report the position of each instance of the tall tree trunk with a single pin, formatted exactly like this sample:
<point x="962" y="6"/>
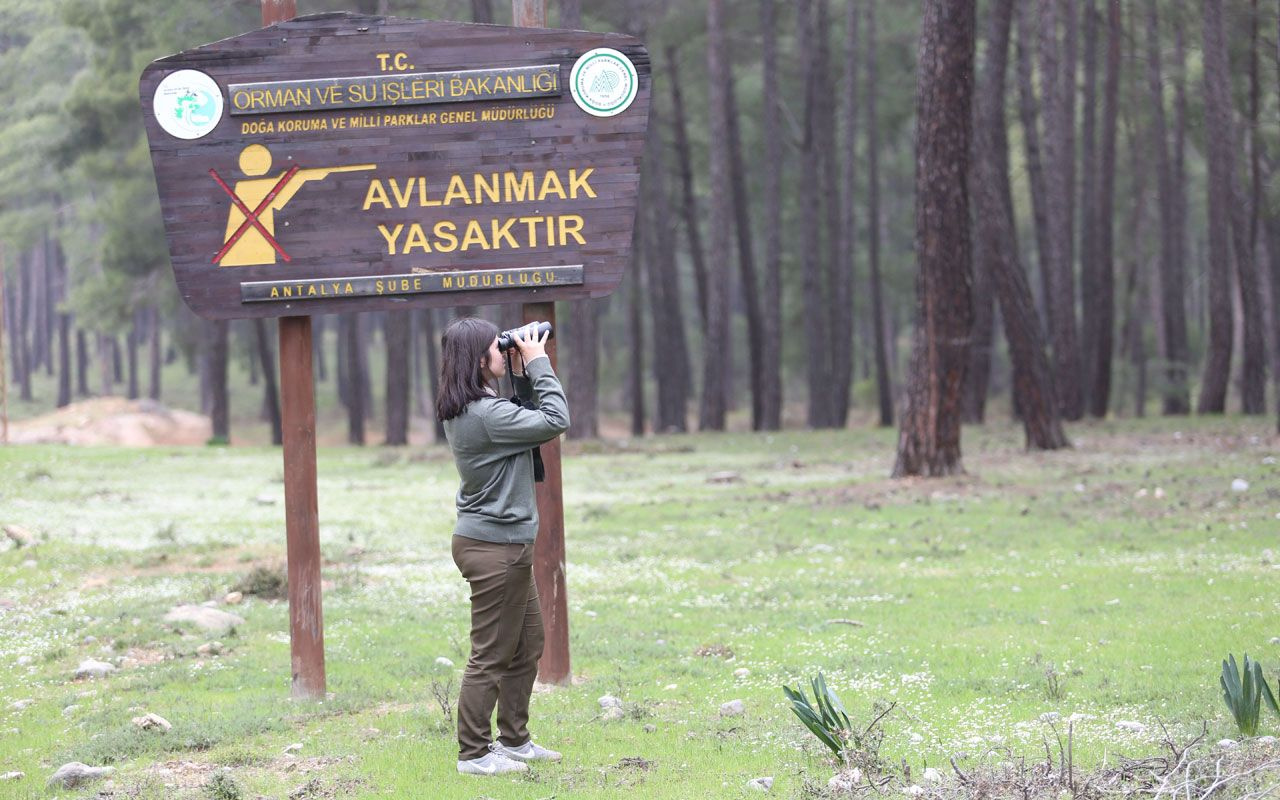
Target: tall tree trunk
<point x="1103" y="250"/>
<point x="317" y="347"/>
<point x="396" y="334"/>
<point x="769" y="364"/>
<point x="1244" y="229"/>
<point x="837" y="273"/>
<point x="58" y="266"/>
<point x="1090" y="221"/>
<point x="20" y="341"/>
<point x="746" y="254"/>
<point x="816" y="331"/>
<point x="82" y="363"/>
<point x="671" y="352"/>
<point x="981" y="343"/>
<point x="711" y="415"/>
<point x="689" y="203"/>
<point x="635" y="328"/>
<point x="584" y="368"/>
<point x="1220" y="141"/>
<point x="1133" y="341"/>
<point x="356" y="376"/>
<point x="1058" y="95"/>
<point x="884" y="386"/>
<point x="154" y="360"/>
<point x="105" y="346"/>
<point x="271" y="396"/>
<point x="1028" y="113"/>
<point x="1172" y="303"/>
<point x="131" y="343"/>
<point x="929" y="436"/>
<point x="1179" y="241"/>
<point x="1033" y="385"/>
<point x="219" y="412"/>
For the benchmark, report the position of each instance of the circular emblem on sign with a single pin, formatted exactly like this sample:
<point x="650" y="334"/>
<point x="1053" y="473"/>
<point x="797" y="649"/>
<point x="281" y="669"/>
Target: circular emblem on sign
<point x="187" y="104"/>
<point x="603" y="82"/>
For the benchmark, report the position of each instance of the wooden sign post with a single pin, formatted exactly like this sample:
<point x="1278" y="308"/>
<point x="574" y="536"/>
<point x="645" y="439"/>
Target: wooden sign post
<point x="344" y="162"/>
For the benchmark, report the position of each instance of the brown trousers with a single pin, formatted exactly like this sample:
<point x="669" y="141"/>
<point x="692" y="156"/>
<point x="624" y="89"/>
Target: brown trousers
<point x="506" y="643"/>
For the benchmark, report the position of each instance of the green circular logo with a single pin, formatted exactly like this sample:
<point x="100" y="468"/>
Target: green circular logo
<point x="603" y="82"/>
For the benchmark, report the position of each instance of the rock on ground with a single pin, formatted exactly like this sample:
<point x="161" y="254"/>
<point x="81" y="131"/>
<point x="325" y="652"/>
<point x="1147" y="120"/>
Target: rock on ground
<point x="152" y="722"/>
<point x="761" y="784"/>
<point x="13" y="776"/>
<point x="210" y="619"/>
<point x="89" y="668"/>
<point x="612" y="713"/>
<point x="20" y="536"/>
<point x="74" y="774"/>
<point x="733" y="708"/>
<point x="845" y="780"/>
<point x="609" y="701"/>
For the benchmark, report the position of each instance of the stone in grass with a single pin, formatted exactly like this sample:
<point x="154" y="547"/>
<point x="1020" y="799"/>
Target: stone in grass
<point x="293" y="748"/>
<point x="609" y="701"/>
<point x="1131" y="726"/>
<point x="209" y="649"/>
<point x="1239" y="485"/>
<point x="845" y="781"/>
<point x="20" y="536"/>
<point x="209" y="619"/>
<point x="444" y="662"/>
<point x="1227" y="744"/>
<point x="233" y="598"/>
<point x="733" y="708"/>
<point x="13" y="776"/>
<point x="153" y="722"/>
<point x="932" y="775"/>
<point x="1265" y="740"/>
<point x="89" y="668"/>
<point x="761" y="784"/>
<point x="727" y="476"/>
<point x="74" y="774"/>
<point x="18" y="705"/>
<point x="613" y="713"/>
<point x="741" y="672"/>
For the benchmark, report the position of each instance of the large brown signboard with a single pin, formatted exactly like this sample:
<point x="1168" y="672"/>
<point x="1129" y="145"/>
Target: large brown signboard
<point x="342" y="162"/>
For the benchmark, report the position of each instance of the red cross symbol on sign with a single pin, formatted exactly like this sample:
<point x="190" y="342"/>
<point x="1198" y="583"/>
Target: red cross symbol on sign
<point x="251" y="217"/>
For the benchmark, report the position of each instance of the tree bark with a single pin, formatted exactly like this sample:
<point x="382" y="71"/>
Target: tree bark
<point x="884" y="385"/>
<point x="1244" y="228"/>
<point x="20" y="341"/>
<point x="1090" y="219"/>
<point x="1028" y="113"/>
<point x="1058" y="95"/>
<point x="1172" y="302"/>
<point x="154" y="360"/>
<point x="1179" y="241"/>
<point x="58" y="277"/>
<point x="635" y="328"/>
<point x="769" y="364"/>
<point x="746" y="253"/>
<point x="711" y="415"/>
<point x="929" y="436"/>
<point x="396" y="338"/>
<point x="687" y="196"/>
<point x="356" y="376"/>
<point x="817" y="334"/>
<point x="1033" y="385"/>
<point x="584" y="368"/>
<point x="671" y="352"/>
<point x="1103" y="281"/>
<point x="271" y="392"/>
<point x="82" y="363"/>
<point x="1219" y="144"/>
<point x="219" y="411"/>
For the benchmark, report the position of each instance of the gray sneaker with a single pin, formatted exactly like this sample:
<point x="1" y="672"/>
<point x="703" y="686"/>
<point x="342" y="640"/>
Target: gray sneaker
<point x="491" y="763"/>
<point x="525" y="752"/>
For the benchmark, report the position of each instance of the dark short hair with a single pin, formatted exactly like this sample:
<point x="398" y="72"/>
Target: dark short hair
<point x="463" y="348"/>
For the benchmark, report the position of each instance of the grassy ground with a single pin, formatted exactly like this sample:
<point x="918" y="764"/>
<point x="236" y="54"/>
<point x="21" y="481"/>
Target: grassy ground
<point x="1105" y="582"/>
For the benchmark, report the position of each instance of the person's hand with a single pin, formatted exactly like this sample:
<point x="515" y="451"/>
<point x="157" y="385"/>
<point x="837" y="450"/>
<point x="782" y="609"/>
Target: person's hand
<point x="529" y="343"/>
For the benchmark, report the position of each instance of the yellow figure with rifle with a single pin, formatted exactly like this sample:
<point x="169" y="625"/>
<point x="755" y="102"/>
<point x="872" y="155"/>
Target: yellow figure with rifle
<point x="250" y="234"/>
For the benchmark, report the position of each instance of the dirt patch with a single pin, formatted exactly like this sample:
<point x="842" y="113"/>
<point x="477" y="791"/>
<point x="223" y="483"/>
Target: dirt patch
<point x="115" y="420"/>
<point x="142" y="656"/>
<point x="183" y="774"/>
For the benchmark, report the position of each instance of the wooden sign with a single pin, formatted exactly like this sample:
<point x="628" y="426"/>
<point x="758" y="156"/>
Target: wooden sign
<point x="341" y="162"/>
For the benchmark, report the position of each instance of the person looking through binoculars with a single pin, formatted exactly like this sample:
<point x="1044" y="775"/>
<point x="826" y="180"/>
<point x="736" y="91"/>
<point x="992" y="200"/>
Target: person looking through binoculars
<point x="494" y="442"/>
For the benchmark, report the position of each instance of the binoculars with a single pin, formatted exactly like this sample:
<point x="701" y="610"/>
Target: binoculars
<point x="507" y="339"/>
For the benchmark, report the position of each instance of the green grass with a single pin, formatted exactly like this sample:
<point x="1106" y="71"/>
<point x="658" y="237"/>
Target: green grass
<point x="1038" y="583"/>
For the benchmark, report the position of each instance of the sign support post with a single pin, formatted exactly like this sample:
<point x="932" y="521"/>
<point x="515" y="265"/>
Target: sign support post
<point x="301" y="514"/>
<point x="548" y="550"/>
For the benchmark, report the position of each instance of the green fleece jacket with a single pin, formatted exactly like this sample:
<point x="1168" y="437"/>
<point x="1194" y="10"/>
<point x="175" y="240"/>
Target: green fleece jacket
<point x="491" y="441"/>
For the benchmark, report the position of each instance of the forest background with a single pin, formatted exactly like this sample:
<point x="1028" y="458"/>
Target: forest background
<point x="778" y="195"/>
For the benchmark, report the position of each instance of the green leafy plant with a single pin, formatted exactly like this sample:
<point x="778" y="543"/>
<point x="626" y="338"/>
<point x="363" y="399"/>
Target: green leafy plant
<point x="1243" y="694"/>
<point x="825" y="716"/>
